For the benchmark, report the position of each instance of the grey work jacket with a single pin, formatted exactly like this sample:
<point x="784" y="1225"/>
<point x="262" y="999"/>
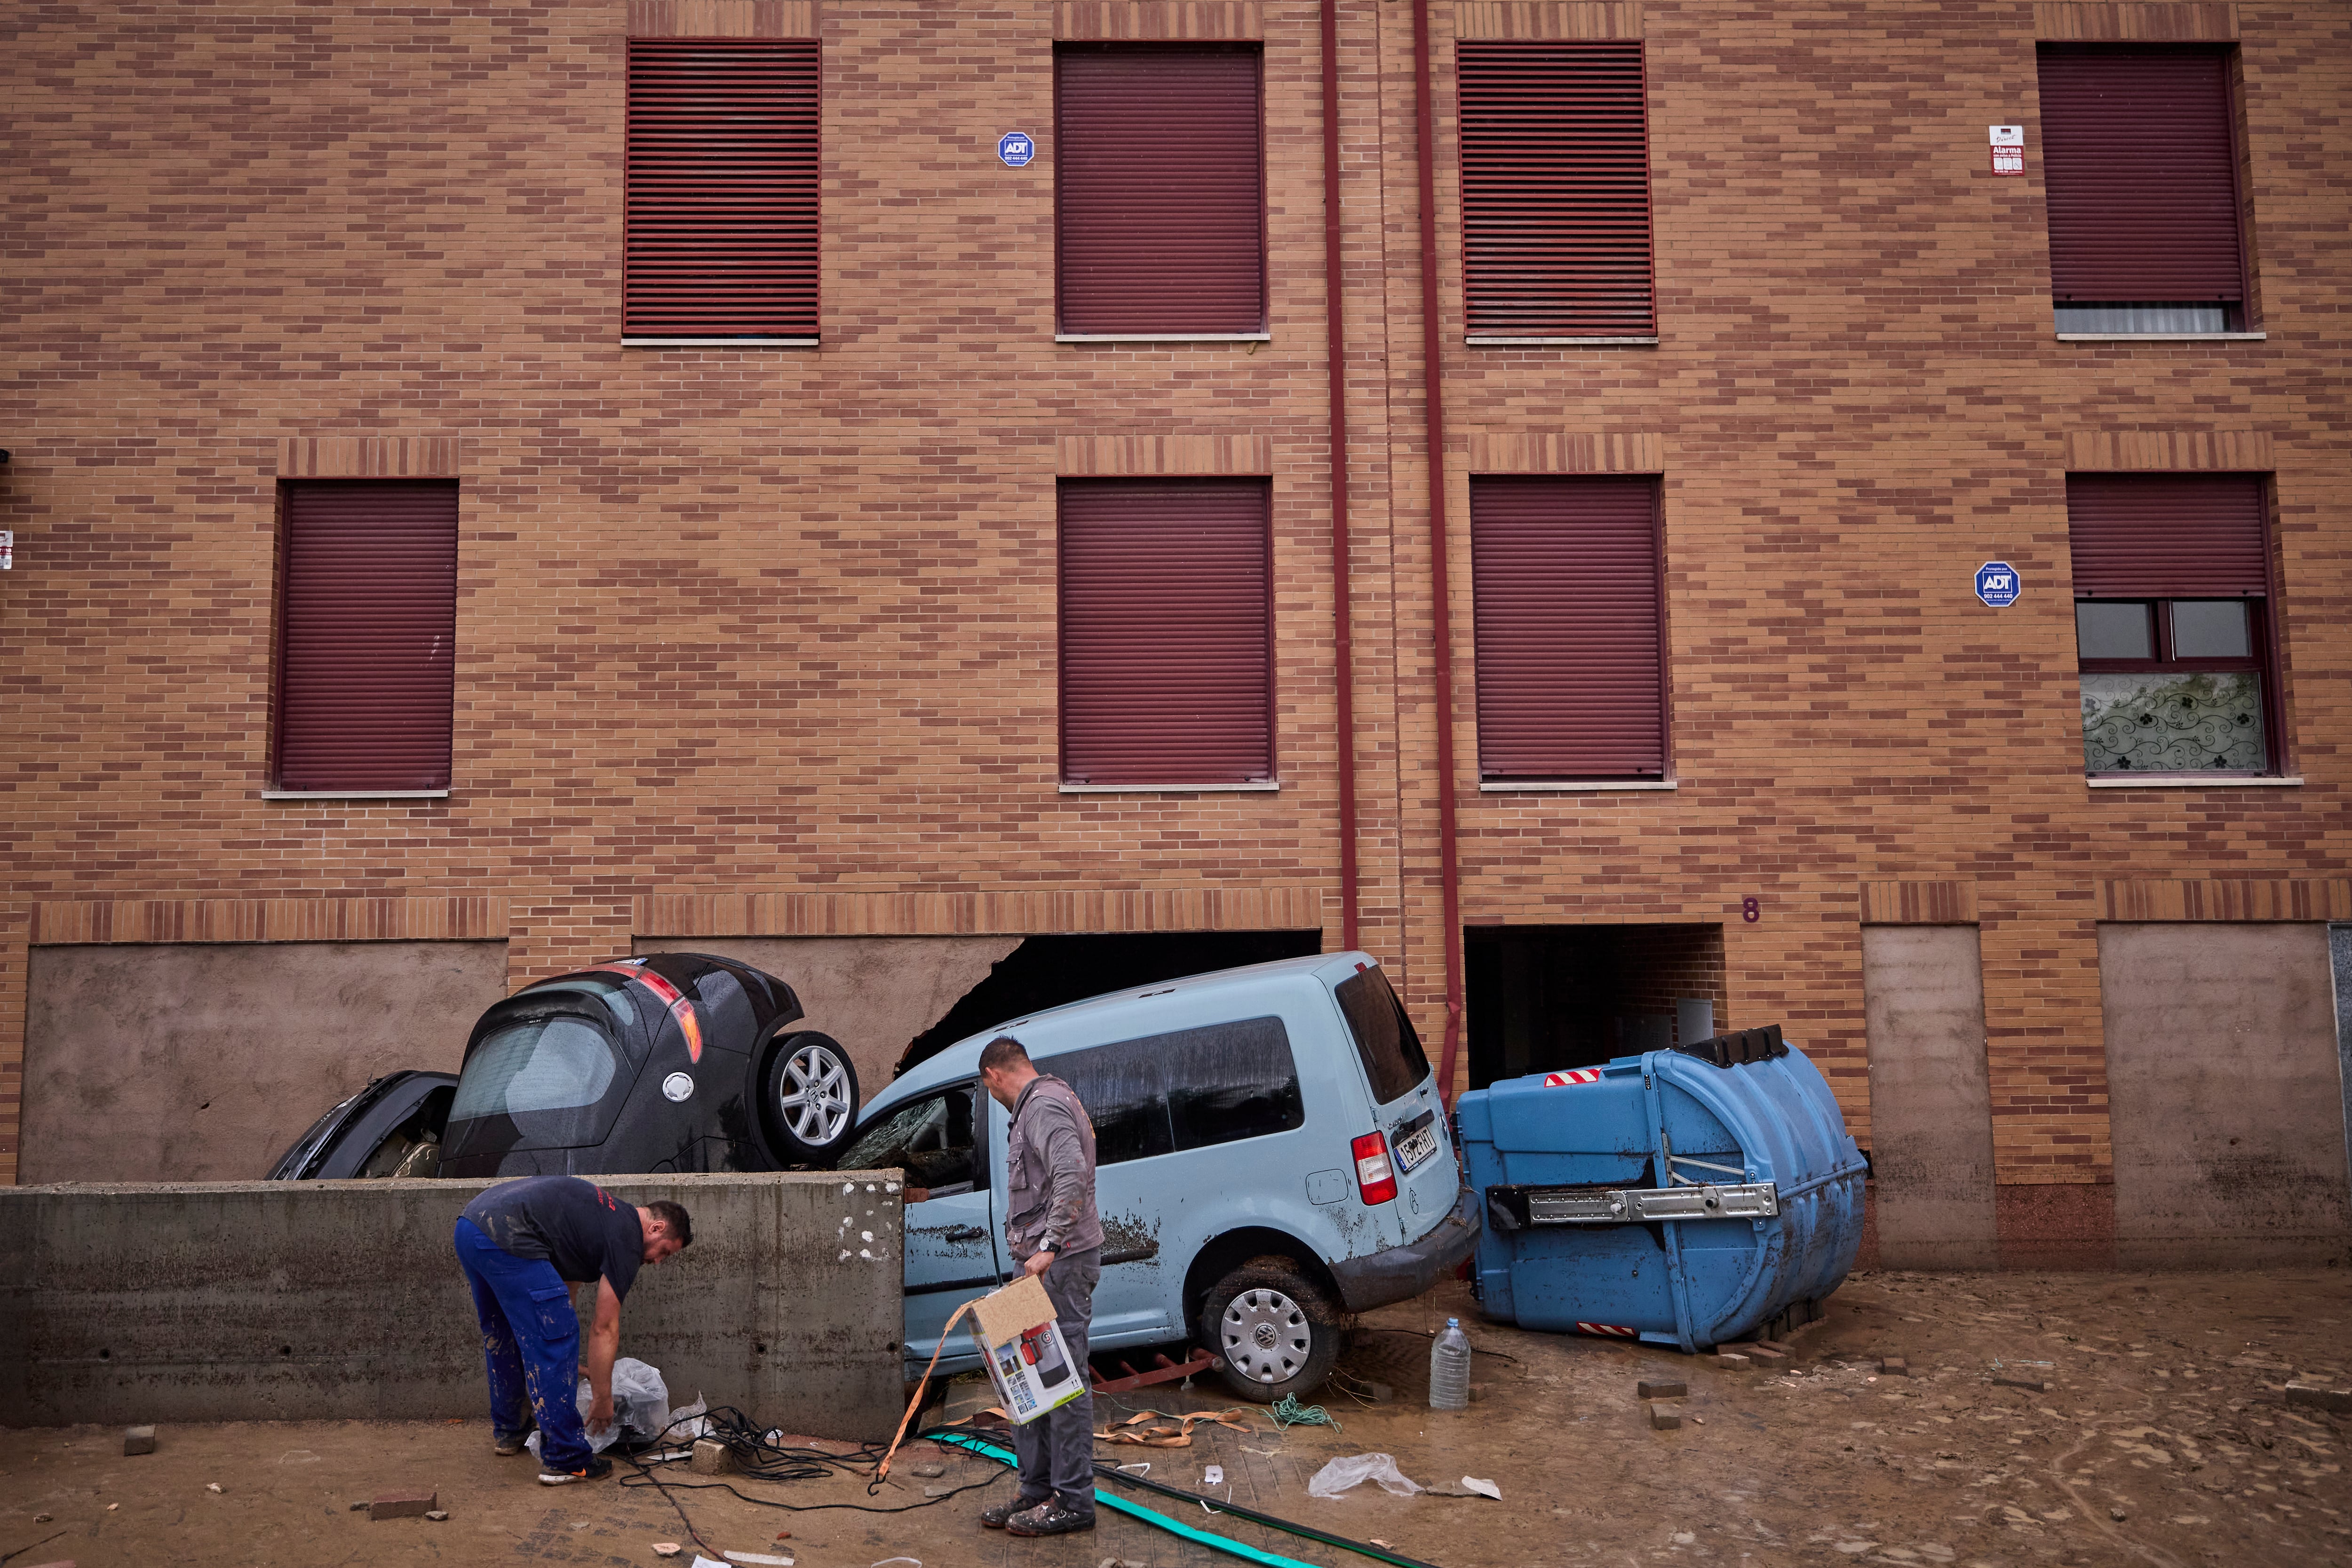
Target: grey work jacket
<point x="1049" y="1161"/>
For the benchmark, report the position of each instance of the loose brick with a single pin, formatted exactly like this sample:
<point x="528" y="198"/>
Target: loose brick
<point x="1664" y="1418"/>
<point x="402" y="1505"/>
<point x="139" y="1440"/>
<point x="1661" y="1389"/>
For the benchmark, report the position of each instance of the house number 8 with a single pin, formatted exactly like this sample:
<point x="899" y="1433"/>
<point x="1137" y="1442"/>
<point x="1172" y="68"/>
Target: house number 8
<point x="1749" y="911"/>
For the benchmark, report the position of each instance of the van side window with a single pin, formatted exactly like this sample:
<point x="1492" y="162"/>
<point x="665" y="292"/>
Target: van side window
<point x="1125" y="1094"/>
<point x="934" y="1140"/>
<point x="1384" y="1035"/>
<point x="1231" y="1081"/>
<point x="1189" y="1090"/>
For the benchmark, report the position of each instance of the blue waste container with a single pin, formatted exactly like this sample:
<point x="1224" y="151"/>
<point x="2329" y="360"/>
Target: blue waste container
<point x="1685" y="1197"/>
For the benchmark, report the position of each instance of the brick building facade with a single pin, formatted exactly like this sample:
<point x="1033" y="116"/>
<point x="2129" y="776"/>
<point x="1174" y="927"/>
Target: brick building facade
<point x="761" y="644"/>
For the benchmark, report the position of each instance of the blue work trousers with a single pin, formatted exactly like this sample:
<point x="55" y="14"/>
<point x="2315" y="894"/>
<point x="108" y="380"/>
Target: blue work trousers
<point x="531" y="1345"/>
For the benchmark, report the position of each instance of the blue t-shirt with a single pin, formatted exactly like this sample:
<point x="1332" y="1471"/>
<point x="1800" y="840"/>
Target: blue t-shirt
<point x="585" y="1231"/>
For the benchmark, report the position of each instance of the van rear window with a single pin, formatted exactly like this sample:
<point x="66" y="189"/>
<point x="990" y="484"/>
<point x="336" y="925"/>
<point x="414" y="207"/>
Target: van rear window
<point x="1384" y="1035"/>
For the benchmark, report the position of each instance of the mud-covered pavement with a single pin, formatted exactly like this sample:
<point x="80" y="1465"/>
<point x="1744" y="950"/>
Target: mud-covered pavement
<point x="2164" y="1440"/>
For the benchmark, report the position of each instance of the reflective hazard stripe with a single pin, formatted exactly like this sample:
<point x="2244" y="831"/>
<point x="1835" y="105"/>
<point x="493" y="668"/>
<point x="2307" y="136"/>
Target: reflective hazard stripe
<point x="1580" y="1075"/>
<point x="1607" y="1330"/>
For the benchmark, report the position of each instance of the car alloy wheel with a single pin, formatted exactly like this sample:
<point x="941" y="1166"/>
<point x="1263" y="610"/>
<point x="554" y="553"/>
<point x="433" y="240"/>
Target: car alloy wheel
<point x="1264" y="1336"/>
<point x="815" y="1095"/>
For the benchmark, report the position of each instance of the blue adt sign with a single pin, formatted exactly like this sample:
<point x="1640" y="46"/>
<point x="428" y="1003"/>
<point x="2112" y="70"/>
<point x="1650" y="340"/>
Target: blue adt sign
<point x="1015" y="147"/>
<point x="1996" y="584"/>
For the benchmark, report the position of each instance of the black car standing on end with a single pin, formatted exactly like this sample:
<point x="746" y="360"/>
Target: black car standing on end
<point x="670" y="1062"/>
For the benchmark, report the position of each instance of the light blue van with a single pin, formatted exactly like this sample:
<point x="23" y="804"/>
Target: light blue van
<point x="1271" y="1157"/>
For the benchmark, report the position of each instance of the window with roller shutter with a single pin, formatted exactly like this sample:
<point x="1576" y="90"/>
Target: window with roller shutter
<point x="1159" y="191"/>
<point x="367" y="625"/>
<point x="2172" y="623"/>
<point x="721" y="192"/>
<point x="2140" y="173"/>
<point x="1570" y="627"/>
<point x="1167" y="632"/>
<point x="1555" y="190"/>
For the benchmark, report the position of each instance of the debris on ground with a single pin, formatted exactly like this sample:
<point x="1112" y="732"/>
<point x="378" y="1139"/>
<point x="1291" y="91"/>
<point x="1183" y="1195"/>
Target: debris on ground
<point x="139" y="1440"/>
<point x="1661" y="1388"/>
<point x="2319" y="1397"/>
<point x="1483" y="1487"/>
<point x="1663" y="1419"/>
<point x="438" y="1515"/>
<point x="1892" y="1366"/>
<point x="402" y="1505"/>
<point x="2035" y="1384"/>
<point x="1732" y="1361"/>
<point x="1336" y="1478"/>
<point x="667" y="1549"/>
<point x="711" y="1458"/>
<point x="926" y="1472"/>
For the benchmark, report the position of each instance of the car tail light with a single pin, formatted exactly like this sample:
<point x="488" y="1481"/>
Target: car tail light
<point x="1375" y="1177"/>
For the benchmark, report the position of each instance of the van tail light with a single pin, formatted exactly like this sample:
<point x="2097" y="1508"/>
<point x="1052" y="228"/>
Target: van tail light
<point x="1375" y="1177"/>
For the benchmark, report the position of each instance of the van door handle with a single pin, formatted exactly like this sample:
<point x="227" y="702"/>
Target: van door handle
<point x="963" y="1232"/>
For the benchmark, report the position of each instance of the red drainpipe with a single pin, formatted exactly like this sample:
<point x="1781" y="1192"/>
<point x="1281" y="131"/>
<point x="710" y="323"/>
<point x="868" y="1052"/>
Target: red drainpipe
<point x="1343" y="631"/>
<point x="1432" y="394"/>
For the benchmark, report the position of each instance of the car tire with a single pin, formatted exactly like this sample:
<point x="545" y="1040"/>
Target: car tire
<point x="808" y="1098"/>
<point x="1276" y="1331"/>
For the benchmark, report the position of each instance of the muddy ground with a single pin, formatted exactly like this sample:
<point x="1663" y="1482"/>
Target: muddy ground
<point x="2164" y="1440"/>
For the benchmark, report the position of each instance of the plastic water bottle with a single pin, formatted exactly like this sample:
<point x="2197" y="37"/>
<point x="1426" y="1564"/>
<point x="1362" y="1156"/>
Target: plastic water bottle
<point x="1449" y="1368"/>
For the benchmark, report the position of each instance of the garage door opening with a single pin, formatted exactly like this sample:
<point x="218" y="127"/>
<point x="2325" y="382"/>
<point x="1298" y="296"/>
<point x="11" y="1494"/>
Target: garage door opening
<point x="1546" y="998"/>
<point x="1049" y="971"/>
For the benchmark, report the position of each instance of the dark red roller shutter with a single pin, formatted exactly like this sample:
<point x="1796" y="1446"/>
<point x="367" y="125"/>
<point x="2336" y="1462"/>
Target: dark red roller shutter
<point x="1167" y="632"/>
<point x="1555" y="190"/>
<point x="722" y="189"/>
<point x="2167" y="536"/>
<point x="367" y="634"/>
<point x="1158" y="190"/>
<point x="2139" y="162"/>
<point x="1571" y="684"/>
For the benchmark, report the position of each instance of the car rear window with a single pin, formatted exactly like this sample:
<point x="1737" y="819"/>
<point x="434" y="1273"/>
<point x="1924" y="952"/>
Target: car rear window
<point x="548" y="1073"/>
<point x="1384" y="1037"/>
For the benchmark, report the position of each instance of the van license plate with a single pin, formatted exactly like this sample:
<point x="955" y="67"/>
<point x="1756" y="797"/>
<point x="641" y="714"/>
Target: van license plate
<point x="1416" y="1141"/>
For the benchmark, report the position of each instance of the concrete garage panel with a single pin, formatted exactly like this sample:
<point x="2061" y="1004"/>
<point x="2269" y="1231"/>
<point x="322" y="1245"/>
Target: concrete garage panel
<point x="873" y="994"/>
<point x="2224" y="1095"/>
<point x="1930" y="1097"/>
<point x="198" y="1062"/>
<point x="343" y="1300"/>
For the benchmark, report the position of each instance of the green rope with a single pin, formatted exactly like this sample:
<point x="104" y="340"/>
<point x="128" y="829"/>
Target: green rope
<point x="1288" y="1412"/>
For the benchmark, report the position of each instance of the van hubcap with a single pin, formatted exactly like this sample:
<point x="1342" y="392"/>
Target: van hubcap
<point x="815" y="1098"/>
<point x="1267" y="1336"/>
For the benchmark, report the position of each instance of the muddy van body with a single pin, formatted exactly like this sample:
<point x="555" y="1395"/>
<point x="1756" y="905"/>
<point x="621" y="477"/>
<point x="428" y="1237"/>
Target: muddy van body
<point x="1271" y="1158"/>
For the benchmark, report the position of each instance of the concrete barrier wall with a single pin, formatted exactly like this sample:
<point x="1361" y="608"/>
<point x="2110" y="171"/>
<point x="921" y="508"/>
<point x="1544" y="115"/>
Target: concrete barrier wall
<point x="301" y="1301"/>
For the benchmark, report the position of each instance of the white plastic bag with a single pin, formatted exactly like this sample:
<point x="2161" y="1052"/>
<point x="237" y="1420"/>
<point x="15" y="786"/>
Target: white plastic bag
<point x="1340" y="1474"/>
<point x="640" y="1401"/>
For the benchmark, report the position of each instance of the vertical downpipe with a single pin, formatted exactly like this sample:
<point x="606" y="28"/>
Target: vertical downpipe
<point x="1342" y="613"/>
<point x="1432" y="344"/>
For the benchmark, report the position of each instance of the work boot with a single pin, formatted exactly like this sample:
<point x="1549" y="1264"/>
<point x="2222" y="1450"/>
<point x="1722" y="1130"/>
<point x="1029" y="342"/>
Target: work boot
<point x="597" y="1469"/>
<point x="995" y="1517"/>
<point x="1048" y="1518"/>
<point x="507" y="1447"/>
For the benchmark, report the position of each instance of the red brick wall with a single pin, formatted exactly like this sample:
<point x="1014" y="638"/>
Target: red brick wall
<point x="737" y="623"/>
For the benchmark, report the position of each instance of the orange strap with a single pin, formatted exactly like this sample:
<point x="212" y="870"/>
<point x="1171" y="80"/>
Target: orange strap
<point x="883" y="1471"/>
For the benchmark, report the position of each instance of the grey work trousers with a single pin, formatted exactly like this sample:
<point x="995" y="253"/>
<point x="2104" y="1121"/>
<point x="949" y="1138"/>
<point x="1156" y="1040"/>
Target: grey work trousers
<point x="1057" y="1450"/>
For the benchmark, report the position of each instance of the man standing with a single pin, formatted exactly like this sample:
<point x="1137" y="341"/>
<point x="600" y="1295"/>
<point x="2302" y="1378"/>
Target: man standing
<point x="519" y="1243"/>
<point x="1053" y="1228"/>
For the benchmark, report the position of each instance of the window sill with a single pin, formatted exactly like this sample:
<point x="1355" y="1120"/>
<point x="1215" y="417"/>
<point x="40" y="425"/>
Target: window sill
<point x="2192" y="780"/>
<point x="2162" y="337"/>
<point x="1571" y="787"/>
<point x="1263" y="787"/>
<point x="1163" y="337"/>
<point x="1561" y="343"/>
<point x="355" y="794"/>
<point x="718" y="343"/>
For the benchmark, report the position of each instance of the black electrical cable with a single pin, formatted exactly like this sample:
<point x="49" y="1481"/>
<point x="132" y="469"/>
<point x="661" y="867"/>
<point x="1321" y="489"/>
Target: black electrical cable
<point x="1219" y="1505"/>
<point x="758" y="1459"/>
<point x="21" y="1550"/>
